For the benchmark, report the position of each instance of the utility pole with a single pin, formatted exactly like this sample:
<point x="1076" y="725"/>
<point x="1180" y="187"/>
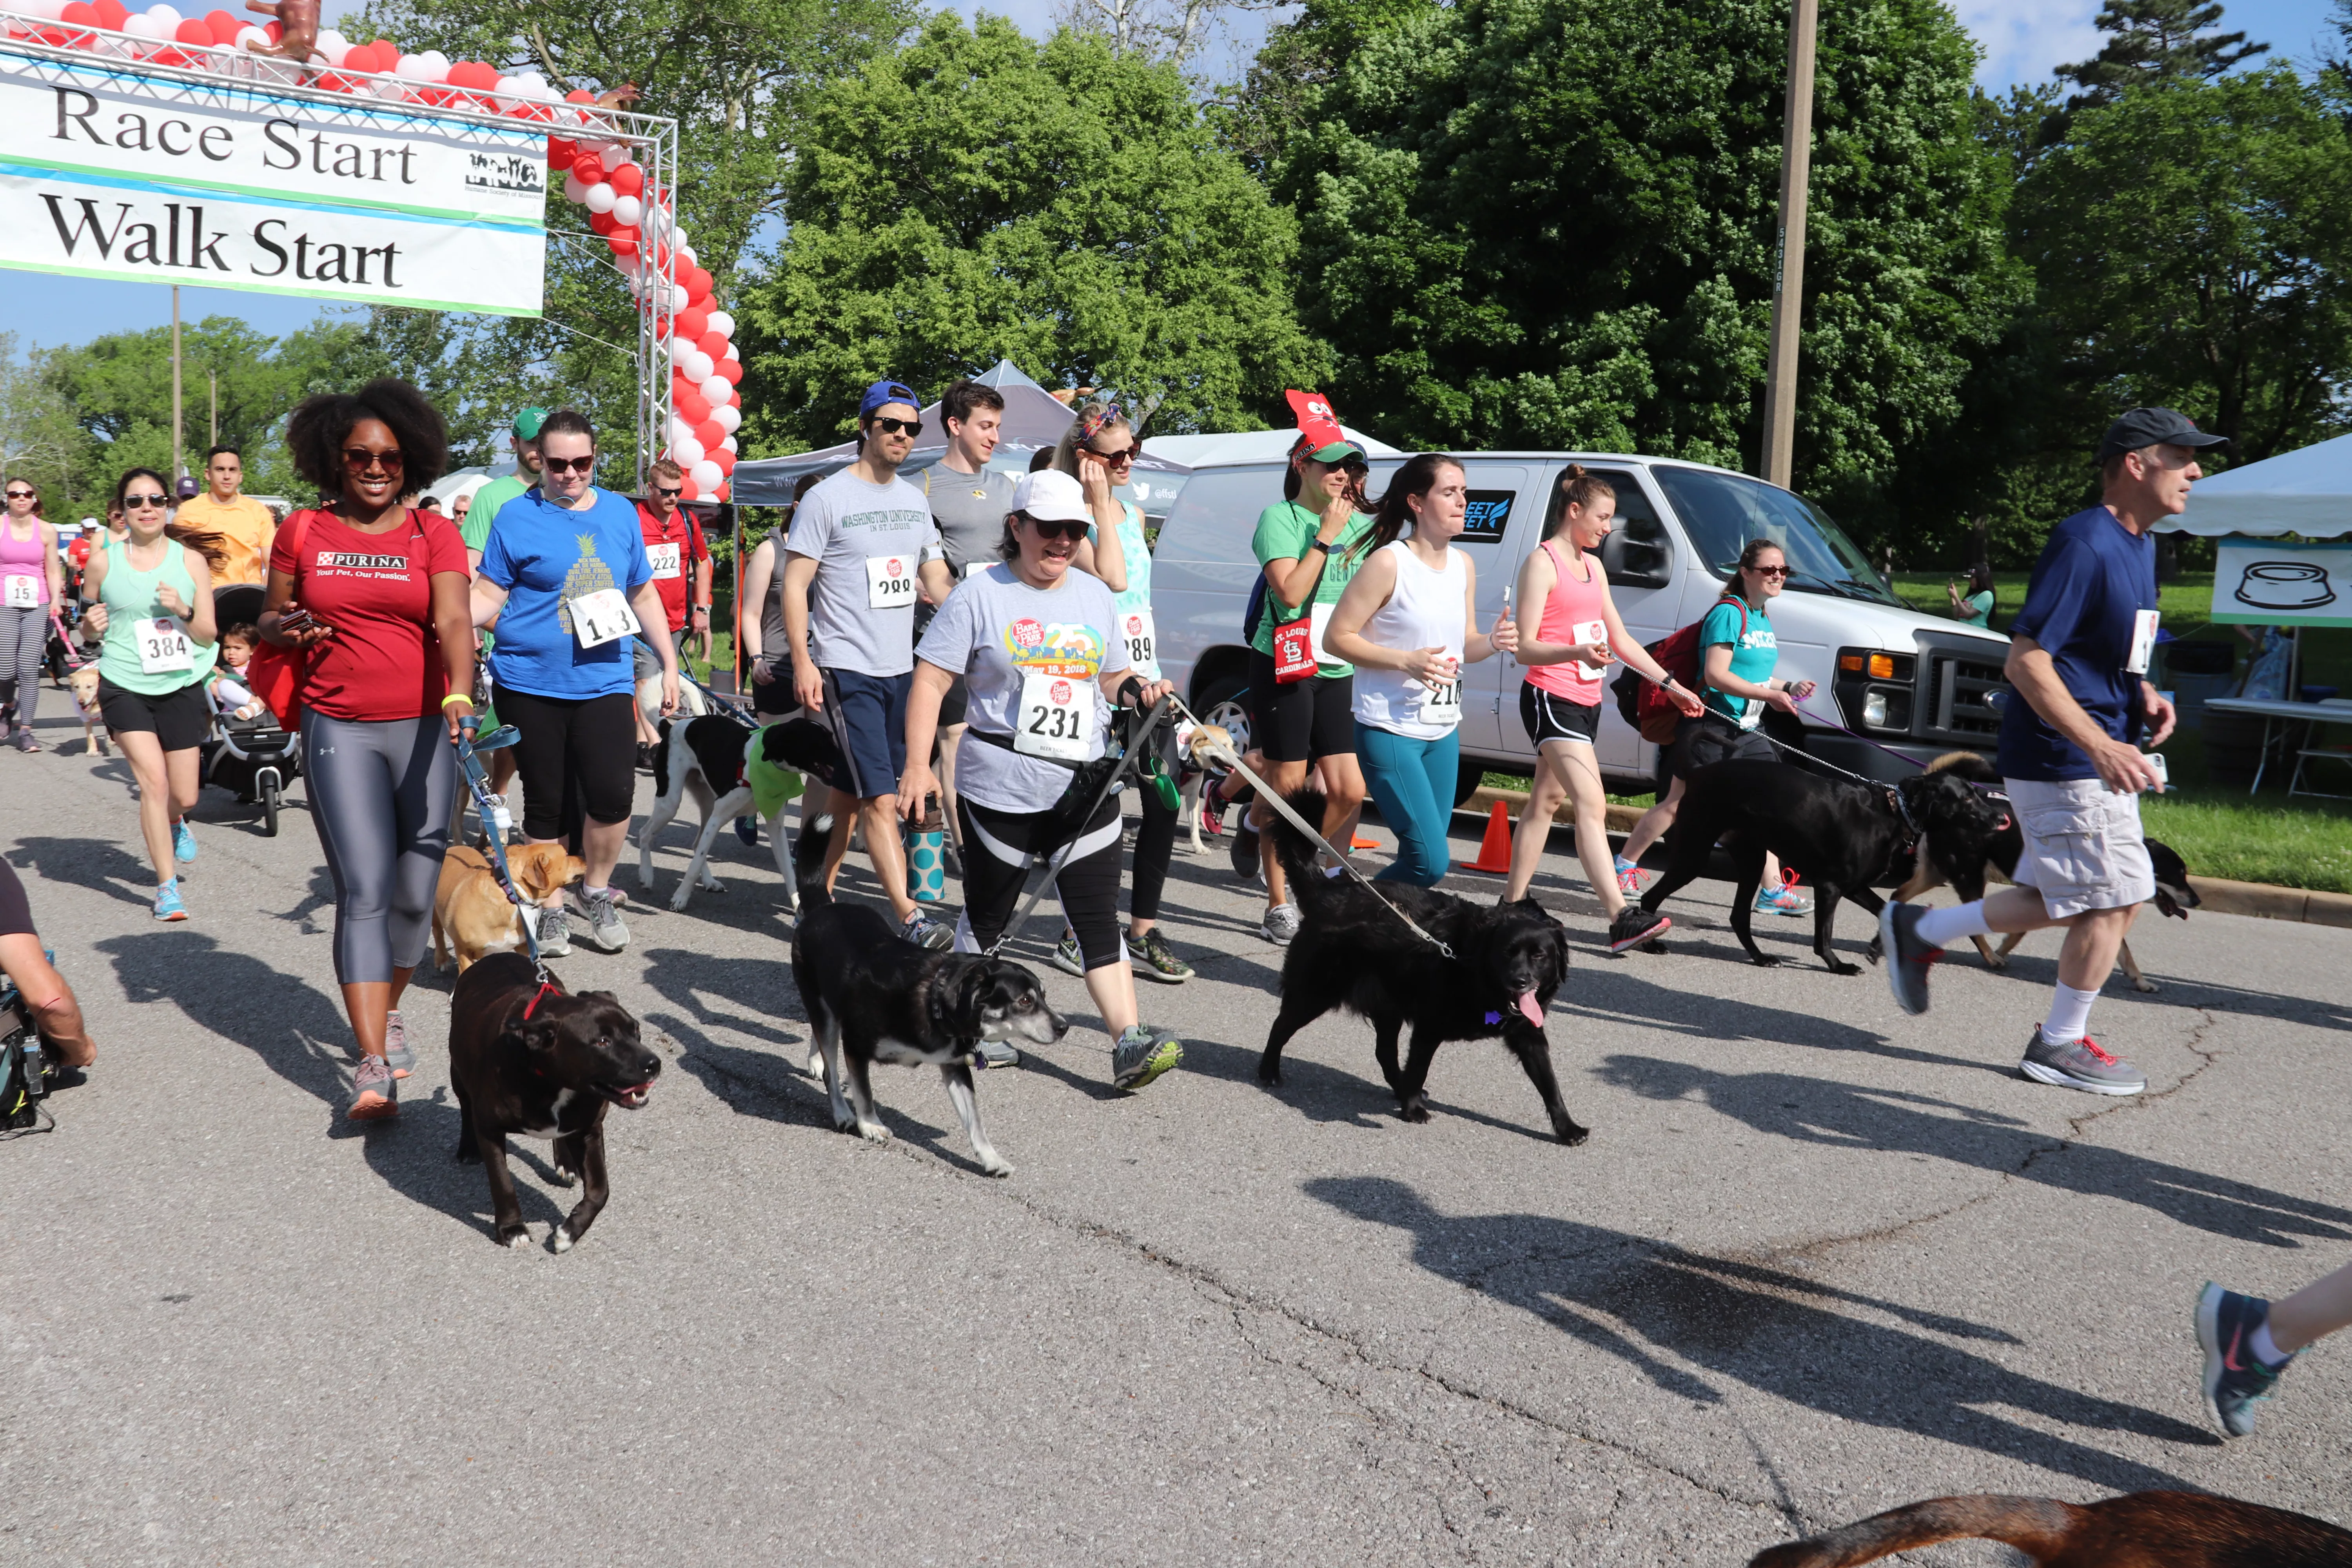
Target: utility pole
<point x="214" y="376"/>
<point x="179" y="459"/>
<point x="1788" y="273"/>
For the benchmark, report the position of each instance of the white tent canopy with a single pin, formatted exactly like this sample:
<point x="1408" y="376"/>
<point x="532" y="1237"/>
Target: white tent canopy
<point x="2307" y="492"/>
<point x="1247" y="447"/>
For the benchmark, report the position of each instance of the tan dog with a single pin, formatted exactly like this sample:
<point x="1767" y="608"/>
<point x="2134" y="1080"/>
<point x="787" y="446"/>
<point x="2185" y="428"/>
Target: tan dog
<point x="1207" y="743"/>
<point x="471" y="913"/>
<point x="84" y="685"/>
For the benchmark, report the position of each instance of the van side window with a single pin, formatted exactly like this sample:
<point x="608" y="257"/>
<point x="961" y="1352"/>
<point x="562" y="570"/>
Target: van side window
<point x="1637" y="553"/>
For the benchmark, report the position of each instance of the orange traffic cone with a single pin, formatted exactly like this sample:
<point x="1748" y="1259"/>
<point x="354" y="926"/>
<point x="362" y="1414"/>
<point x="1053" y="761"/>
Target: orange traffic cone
<point x="1358" y="841"/>
<point x="1495" y="854"/>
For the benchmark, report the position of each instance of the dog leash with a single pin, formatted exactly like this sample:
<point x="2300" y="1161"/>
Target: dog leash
<point x="479" y="783"/>
<point x="1266" y="793"/>
<point x="1110" y="786"/>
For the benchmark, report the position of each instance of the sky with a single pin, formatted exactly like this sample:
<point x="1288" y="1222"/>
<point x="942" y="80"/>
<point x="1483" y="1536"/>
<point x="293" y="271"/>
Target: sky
<point x="2024" y="41"/>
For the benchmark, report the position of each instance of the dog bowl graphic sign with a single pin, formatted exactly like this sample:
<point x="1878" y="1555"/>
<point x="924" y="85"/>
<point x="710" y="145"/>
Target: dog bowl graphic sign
<point x="2268" y="583"/>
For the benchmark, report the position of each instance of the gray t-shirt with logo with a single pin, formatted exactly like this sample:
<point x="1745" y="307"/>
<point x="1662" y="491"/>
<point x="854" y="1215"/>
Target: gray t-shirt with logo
<point x="970" y="510"/>
<point x="867" y="542"/>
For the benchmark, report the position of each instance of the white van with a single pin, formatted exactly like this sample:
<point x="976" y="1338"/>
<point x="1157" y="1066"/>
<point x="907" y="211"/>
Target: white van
<point x="1918" y="685"/>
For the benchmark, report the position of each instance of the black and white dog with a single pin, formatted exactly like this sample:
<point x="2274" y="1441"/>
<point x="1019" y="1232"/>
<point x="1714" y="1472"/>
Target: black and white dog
<point x="703" y="758"/>
<point x="872" y="996"/>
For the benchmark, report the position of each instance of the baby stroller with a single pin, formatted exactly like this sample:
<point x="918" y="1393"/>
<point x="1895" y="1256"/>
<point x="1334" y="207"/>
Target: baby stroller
<point x="257" y="757"/>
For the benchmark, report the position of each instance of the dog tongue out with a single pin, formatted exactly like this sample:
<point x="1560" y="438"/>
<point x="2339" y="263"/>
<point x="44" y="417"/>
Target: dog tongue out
<point x="1529" y="1008"/>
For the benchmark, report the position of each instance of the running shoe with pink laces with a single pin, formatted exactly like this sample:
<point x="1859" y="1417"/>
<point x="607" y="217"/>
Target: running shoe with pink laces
<point x="375" y="1093"/>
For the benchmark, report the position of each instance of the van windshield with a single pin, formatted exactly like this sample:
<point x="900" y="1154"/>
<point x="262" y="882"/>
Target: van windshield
<point x="1724" y="511"/>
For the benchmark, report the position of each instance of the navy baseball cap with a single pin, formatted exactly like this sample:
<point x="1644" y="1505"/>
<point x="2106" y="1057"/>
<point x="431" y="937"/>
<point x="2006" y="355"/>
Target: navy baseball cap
<point x="883" y="392"/>
<point x="2141" y="427"/>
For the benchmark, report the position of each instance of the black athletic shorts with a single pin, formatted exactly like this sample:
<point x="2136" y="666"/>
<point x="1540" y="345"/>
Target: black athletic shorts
<point x="1302" y="722"/>
<point x="572" y="753"/>
<point x="1548" y="716"/>
<point x="178" y="720"/>
<point x="1710" y="739"/>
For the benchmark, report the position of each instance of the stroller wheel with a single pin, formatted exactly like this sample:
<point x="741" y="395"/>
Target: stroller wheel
<point x="269" y="806"/>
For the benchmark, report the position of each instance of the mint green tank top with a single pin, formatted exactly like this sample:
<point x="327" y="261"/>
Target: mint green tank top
<point x="128" y="596"/>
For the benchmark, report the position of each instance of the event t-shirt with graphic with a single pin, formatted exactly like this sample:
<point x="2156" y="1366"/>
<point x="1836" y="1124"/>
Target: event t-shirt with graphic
<point x="1754" y="652"/>
<point x="998" y="632"/>
<point x="549" y="558"/>
<point x="868" y="542"/>
<point x="2092" y="606"/>
<point x="377" y="590"/>
<point x="675" y="548"/>
<point x="970" y="510"/>
<point x="1284" y="531"/>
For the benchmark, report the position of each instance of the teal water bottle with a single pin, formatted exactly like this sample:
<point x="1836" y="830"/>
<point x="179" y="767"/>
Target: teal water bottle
<point x="927" y="865"/>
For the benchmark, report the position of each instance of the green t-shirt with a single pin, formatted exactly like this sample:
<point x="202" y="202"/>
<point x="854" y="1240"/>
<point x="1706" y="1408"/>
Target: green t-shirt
<point x="1979" y="608"/>
<point x="1754" y="652"/>
<point x="484" y="510"/>
<point x="1283" y="531"/>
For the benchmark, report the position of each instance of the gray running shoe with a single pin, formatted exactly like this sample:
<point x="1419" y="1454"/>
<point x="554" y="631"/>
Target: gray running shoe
<point x="2079" y="1064"/>
<point x="1281" y="924"/>
<point x="375" y="1093"/>
<point x="927" y="932"/>
<point x="1908" y="959"/>
<point x="2235" y="1377"/>
<point x="606" y="933"/>
<point x="994" y="1054"/>
<point x="554" y="934"/>
<point x="1150" y="956"/>
<point x="396" y="1044"/>
<point x="1067" y="957"/>
<point x="1143" y="1055"/>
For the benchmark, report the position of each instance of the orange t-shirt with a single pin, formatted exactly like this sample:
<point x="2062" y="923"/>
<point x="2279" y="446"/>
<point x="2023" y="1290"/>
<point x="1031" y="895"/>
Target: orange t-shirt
<point x="246" y="528"/>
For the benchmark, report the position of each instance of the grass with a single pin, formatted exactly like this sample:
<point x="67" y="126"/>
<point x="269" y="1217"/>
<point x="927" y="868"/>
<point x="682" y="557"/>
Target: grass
<point x="2225" y="834"/>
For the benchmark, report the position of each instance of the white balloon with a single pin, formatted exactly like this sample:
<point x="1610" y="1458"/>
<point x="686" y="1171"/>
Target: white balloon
<point x="679" y="430"/>
<point x="730" y="442"/>
<point x="722" y="324"/>
<point x="708" y="475"/>
<point x="171" y="17"/>
<point x="249" y="37"/>
<point x="730" y="351"/>
<point x="695" y="365"/>
<point x="414" y="68"/>
<point x="626" y="210"/>
<point x="146" y="26"/>
<point x="435" y="62"/>
<point x="716" y="390"/>
<point x="730" y="419"/>
<point x="47" y="10"/>
<point x="687" y="251"/>
<point x="575" y="191"/>
<point x="686" y="451"/>
<point x="601" y="197"/>
<point x="332" y="43"/>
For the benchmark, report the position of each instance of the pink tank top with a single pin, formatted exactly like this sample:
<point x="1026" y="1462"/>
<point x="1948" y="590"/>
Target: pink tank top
<point x="1572" y="612"/>
<point x="24" y="558"/>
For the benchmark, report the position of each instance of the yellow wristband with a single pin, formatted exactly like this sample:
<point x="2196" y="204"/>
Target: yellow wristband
<point x="457" y="696"/>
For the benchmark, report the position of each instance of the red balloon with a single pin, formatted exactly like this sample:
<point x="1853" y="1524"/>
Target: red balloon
<point x="732" y="369"/>
<point x="223" y="27"/>
<point x="387" y="54"/>
<point x="696" y="282"/>
<point x="723" y="457"/>
<point x="629" y="179"/>
<point x="623" y="249"/>
<point x="691" y="323"/>
<point x="195" y="33"/>
<point x="590" y="168"/>
<point x="713" y="343"/>
<point x="112" y="13"/>
<point x="579" y="95"/>
<point x="709" y="433"/>
<point x="689" y="406"/>
<point x="603" y="223"/>
<point x="80" y="13"/>
<point x="560" y="153"/>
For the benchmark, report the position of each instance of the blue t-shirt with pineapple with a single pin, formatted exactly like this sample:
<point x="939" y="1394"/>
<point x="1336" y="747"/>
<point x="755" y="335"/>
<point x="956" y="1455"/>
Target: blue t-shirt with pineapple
<point x="545" y="555"/>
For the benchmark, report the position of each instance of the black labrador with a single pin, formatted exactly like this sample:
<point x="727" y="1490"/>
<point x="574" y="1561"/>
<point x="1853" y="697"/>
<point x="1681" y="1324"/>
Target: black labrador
<point x="1842" y="837"/>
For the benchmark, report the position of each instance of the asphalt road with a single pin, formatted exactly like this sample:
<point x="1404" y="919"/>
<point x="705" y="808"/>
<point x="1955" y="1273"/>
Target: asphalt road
<point x="1817" y="1260"/>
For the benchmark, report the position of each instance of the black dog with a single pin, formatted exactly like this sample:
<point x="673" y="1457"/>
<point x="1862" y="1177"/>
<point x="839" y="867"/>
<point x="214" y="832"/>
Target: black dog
<point x="545" y="1064"/>
<point x="1352" y="952"/>
<point x="1963" y="859"/>
<point x="1841" y="836"/>
<point x="874" y="996"/>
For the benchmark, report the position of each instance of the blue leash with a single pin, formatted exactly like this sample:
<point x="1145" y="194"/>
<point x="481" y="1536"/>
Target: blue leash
<point x="479" y="783"/>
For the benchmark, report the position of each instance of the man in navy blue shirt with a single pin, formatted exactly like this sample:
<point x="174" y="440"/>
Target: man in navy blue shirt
<point x="2069" y="759"/>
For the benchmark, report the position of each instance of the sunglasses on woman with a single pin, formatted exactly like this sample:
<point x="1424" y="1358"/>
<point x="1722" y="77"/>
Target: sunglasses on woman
<point x="1769" y="571"/>
<point x="359" y="459"/>
<point x="1121" y="458"/>
<point x="890" y="426"/>
<point x="20" y="495"/>
<point x="157" y="499"/>
<point x="1058" y="529"/>
<point x="573" y="464"/>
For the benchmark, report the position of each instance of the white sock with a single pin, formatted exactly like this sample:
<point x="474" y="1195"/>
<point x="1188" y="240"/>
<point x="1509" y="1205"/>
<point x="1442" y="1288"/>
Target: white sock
<point x="2265" y="1348"/>
<point x="2070" y="1015"/>
<point x="1943" y="927"/>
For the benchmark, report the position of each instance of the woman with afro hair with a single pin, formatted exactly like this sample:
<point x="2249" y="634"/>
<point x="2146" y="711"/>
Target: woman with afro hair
<point x="374" y="594"/>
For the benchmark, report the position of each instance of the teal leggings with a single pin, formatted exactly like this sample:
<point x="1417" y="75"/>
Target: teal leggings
<point x="1413" y="783"/>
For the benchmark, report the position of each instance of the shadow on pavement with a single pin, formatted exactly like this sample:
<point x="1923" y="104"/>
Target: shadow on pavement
<point x="1772" y="1330"/>
<point x="1818" y="1110"/>
<point x="90" y="863"/>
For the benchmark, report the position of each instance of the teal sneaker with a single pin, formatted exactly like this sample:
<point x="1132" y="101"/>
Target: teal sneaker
<point x="168" y="906"/>
<point x="1141" y="1055"/>
<point x="184" y="842"/>
<point x="2235" y="1377"/>
<point x="1782" y="901"/>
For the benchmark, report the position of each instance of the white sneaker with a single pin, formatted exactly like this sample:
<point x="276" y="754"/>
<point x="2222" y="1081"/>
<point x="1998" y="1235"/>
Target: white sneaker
<point x="1281" y="924"/>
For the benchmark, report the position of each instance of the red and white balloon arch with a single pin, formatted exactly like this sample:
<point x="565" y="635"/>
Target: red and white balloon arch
<point x="585" y="144"/>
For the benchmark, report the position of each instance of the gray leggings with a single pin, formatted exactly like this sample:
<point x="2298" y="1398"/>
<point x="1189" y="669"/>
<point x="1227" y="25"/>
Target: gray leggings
<point x="381" y="795"/>
<point x="24" y="638"/>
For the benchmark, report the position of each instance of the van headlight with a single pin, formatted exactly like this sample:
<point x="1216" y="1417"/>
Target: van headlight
<point x="1874" y="710"/>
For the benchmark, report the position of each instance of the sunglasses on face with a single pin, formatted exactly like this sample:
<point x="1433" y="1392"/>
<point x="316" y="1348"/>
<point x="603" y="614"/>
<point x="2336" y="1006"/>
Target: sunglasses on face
<point x="1769" y="571"/>
<point x="670" y="490"/>
<point x="575" y="466"/>
<point x="1119" y="459"/>
<point x="889" y="427"/>
<point x="20" y="495"/>
<point x="1071" y="531"/>
<point x="130" y="501"/>
<point x="359" y="459"/>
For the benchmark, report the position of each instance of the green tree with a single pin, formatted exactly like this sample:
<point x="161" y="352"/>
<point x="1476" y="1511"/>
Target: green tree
<point x="978" y="194"/>
<point x="1552" y="222"/>
<point x="2154" y="41"/>
<point x="2193" y="245"/>
<point x="38" y="438"/>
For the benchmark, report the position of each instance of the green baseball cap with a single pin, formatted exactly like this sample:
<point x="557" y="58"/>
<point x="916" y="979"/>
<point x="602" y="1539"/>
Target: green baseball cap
<point x="527" y="423"/>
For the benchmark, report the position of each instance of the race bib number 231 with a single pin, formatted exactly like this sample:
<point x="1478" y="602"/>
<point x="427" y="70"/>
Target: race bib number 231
<point x="1053" y="717"/>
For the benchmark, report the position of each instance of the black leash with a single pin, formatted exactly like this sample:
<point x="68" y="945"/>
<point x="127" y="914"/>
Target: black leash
<point x="479" y="783"/>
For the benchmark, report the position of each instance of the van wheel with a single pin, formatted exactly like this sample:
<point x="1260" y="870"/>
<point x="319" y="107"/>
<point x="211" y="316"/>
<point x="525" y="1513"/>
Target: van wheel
<point x="1226" y="705"/>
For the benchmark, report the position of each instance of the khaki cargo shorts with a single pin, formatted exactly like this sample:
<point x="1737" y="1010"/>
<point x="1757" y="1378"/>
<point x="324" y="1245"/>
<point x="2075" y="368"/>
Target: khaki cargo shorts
<point x="2083" y="846"/>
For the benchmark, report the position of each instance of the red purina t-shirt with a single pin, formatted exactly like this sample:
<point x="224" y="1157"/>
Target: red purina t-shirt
<point x="375" y="589"/>
<point x="675" y="551"/>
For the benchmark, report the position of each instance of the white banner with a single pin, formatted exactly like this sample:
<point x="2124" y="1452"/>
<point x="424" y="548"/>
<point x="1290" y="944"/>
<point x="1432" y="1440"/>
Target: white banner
<point x="2262" y="582"/>
<point x="105" y="173"/>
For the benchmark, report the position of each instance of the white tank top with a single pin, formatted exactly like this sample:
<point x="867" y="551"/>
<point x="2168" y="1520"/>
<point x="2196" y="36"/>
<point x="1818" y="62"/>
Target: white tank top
<point x="1425" y="610"/>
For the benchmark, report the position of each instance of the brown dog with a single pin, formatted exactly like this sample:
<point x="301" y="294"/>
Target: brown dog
<point x="471" y="912"/>
<point x="84" y="685"/>
<point x="2146" y="1530"/>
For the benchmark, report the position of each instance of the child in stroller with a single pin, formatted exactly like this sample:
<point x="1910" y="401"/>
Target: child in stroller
<point x="248" y="752"/>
